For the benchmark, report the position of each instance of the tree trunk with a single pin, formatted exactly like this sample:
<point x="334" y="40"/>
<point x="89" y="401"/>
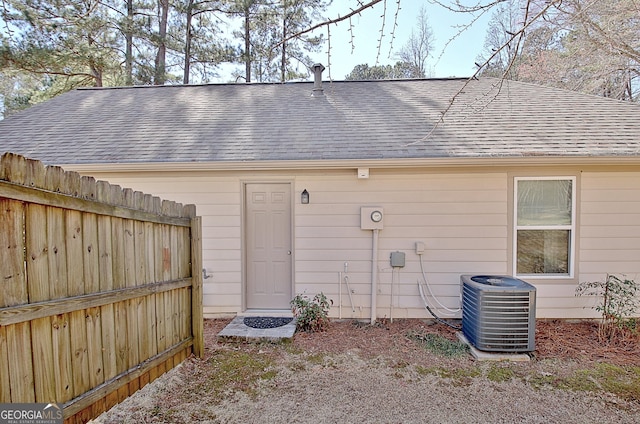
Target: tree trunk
<point x="128" y="31"/>
<point x="187" y="44"/>
<point x="160" y="71"/>
<point x="283" y="60"/>
<point x="96" y="71"/>
<point x="247" y="45"/>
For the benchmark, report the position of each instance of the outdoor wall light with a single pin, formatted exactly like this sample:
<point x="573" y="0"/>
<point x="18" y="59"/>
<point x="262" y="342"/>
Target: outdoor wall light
<point x="304" y="197"/>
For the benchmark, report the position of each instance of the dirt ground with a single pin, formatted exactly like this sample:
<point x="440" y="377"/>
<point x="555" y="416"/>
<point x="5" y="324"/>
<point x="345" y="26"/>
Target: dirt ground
<point x="358" y="373"/>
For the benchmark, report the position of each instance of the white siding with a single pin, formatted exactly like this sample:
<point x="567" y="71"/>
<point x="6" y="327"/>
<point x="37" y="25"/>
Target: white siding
<point x="462" y="219"/>
<point x="610" y="225"/>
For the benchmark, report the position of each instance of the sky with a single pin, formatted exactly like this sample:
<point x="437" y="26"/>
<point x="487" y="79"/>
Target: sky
<point x="455" y="59"/>
<point x="455" y="51"/>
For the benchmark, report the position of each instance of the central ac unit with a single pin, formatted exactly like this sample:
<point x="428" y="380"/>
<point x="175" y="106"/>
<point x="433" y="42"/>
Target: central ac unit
<point x="498" y="313"/>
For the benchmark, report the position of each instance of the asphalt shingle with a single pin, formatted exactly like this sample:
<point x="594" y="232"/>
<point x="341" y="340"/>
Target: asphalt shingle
<point x="352" y="120"/>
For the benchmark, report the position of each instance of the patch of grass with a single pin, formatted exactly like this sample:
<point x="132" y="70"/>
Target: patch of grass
<point x="426" y="370"/>
<point x="538" y="381"/>
<point x="233" y="371"/>
<point x="458" y="373"/>
<point x="621" y="381"/>
<point x="269" y="375"/>
<point x="602" y="377"/>
<point x="461" y="376"/>
<point x="316" y="358"/>
<point x="500" y="373"/>
<point x="292" y="349"/>
<point x="452" y="373"/>
<point x="303" y="361"/>
<point x="439" y="345"/>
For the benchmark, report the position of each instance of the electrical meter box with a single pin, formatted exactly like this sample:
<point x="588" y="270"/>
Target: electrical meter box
<point x="397" y="259"/>
<point x="371" y="218"/>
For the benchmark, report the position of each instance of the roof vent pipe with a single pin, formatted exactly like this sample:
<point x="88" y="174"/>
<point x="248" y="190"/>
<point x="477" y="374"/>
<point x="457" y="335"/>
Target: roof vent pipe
<point x="317" y="79"/>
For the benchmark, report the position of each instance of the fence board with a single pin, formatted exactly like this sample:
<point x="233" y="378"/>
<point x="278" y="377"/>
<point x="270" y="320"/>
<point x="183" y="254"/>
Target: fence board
<point x="94" y="346"/>
<point x="13" y="284"/>
<point x="132" y="335"/>
<point x="61" y="338"/>
<point x="105" y="259"/>
<point x="130" y="281"/>
<point x="13" y="168"/>
<point x="118" y="257"/>
<point x="90" y="256"/>
<point x="150" y="257"/>
<point x="107" y="318"/>
<point x="37" y="253"/>
<point x="73" y="242"/>
<point x="98" y="295"/>
<point x="43" y="361"/>
<point x="121" y="339"/>
<point x="75" y="287"/>
<point x="5" y="383"/>
<point x="162" y="315"/>
<point x="144" y="326"/>
<point x="129" y="253"/>
<point x="21" y="373"/>
<point x="57" y="253"/>
<point x="79" y="350"/>
<point x="107" y="313"/>
<point x="161" y="327"/>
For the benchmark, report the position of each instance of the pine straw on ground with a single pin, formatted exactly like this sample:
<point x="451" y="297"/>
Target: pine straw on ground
<point x="555" y="339"/>
<point x="580" y="341"/>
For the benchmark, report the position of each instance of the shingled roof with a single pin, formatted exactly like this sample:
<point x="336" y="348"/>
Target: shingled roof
<point x="369" y="120"/>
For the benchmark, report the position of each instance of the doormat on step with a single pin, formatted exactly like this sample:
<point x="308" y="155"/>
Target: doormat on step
<point x="266" y="322"/>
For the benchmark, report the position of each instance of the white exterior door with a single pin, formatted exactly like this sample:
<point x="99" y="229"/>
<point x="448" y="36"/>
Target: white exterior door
<point x="268" y="245"/>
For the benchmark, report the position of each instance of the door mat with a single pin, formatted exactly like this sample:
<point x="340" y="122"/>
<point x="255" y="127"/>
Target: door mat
<point x="266" y="322"/>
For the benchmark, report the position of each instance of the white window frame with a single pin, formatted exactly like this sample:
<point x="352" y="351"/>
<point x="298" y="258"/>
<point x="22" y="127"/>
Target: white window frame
<point x="571" y="228"/>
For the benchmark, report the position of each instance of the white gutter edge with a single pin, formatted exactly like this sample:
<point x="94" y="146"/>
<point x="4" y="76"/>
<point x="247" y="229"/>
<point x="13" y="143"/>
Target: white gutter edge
<point x="351" y="164"/>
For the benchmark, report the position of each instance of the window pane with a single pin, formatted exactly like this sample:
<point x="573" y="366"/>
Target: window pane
<point x="544" y="202"/>
<point x="543" y="251"/>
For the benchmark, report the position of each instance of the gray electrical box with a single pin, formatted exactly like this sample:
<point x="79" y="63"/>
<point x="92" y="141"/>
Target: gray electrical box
<point x="397" y="259"/>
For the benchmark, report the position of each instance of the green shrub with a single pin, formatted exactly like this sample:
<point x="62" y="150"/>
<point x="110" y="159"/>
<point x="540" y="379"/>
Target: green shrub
<point x="619" y="303"/>
<point x="311" y="314"/>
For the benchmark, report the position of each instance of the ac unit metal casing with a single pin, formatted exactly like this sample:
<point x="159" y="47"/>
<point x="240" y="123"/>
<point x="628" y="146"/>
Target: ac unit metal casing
<point x="498" y="313"/>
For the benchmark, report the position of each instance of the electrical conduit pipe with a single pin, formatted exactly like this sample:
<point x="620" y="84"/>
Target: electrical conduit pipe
<point x="374" y="275"/>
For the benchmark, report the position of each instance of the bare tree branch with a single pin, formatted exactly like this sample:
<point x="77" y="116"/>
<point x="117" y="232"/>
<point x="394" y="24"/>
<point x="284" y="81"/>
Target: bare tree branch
<point x="461" y="8"/>
<point x="330" y="21"/>
<point x="518" y="34"/>
<point x="381" y="31"/>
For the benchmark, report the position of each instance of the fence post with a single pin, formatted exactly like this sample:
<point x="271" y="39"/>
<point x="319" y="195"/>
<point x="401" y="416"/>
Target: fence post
<point x="196" y="290"/>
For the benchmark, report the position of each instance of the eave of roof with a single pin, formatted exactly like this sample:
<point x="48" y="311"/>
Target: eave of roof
<point x="505" y="162"/>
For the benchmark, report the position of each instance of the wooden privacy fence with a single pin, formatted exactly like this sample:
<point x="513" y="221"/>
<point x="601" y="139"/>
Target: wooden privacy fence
<point x="100" y="288"/>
